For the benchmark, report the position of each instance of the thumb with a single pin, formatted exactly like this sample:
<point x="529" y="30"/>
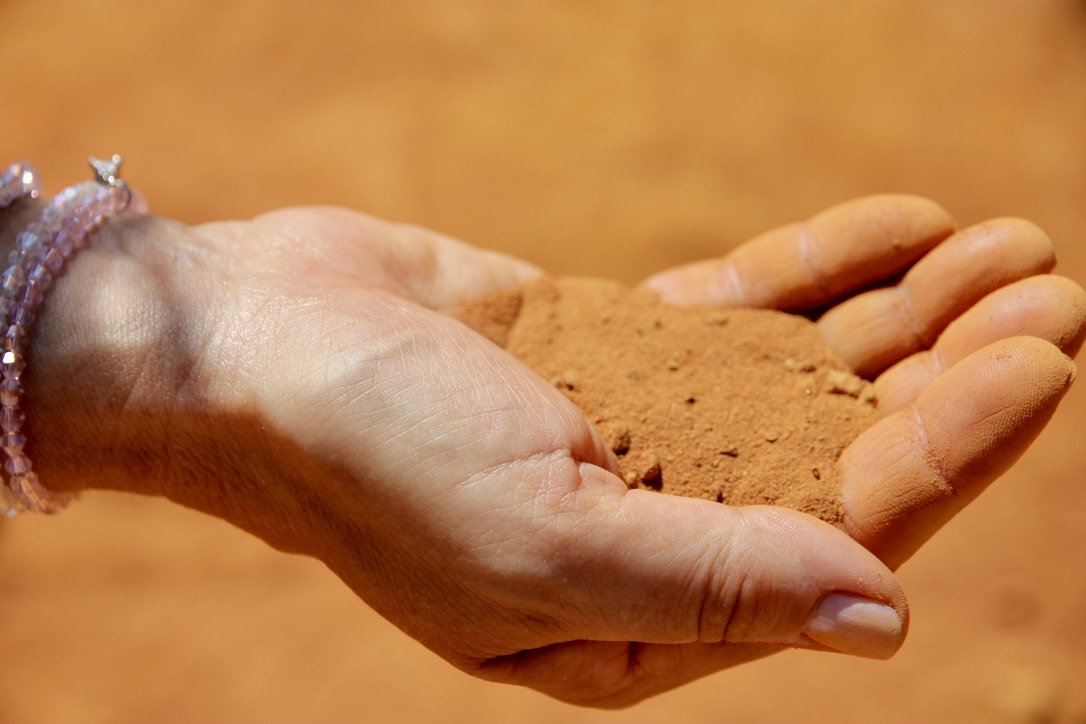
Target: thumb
<point x="666" y="590"/>
<point x="684" y="570"/>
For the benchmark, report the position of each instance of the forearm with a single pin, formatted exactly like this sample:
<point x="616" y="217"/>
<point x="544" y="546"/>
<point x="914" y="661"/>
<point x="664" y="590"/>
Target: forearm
<point x="86" y="374"/>
<point x="119" y="390"/>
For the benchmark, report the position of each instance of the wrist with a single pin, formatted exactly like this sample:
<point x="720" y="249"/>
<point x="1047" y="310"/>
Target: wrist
<point x="87" y="372"/>
<point x="129" y="386"/>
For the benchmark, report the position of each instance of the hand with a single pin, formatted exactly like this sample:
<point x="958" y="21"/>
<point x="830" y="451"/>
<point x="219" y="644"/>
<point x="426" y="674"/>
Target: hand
<point x="297" y="376"/>
<point x="949" y="326"/>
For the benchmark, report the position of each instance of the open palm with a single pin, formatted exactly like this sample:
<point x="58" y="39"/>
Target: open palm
<point x="473" y="506"/>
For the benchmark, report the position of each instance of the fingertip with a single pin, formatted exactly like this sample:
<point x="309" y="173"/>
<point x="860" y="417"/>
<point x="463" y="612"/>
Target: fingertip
<point x="856" y="625"/>
<point x="1072" y="301"/>
<point x="917" y="207"/>
<point x="1032" y="244"/>
<point x="1050" y="370"/>
<point x="712" y="282"/>
<point x="845" y="599"/>
<point x="908" y="219"/>
<point x="909" y="474"/>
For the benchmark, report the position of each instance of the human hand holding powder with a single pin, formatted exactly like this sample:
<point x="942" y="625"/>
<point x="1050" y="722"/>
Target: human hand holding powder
<point x="300" y="375"/>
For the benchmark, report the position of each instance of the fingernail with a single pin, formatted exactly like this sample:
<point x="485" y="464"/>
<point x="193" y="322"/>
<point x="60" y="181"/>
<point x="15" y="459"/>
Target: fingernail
<point x="855" y="625"/>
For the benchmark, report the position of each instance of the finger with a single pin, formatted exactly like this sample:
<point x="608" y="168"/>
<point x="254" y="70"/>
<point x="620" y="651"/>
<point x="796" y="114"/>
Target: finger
<point x="694" y="570"/>
<point x="806" y="266"/>
<point x="616" y="674"/>
<point x="660" y="569"/>
<point x="912" y="472"/>
<point x="434" y="270"/>
<point x="1049" y="307"/>
<point x="878" y="328"/>
<point x="457" y="271"/>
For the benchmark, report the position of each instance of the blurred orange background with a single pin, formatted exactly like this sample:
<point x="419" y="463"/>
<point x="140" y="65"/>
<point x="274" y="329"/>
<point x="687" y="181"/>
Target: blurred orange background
<point x="602" y="137"/>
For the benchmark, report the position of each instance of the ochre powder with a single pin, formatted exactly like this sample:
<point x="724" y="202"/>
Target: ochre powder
<point x="745" y="407"/>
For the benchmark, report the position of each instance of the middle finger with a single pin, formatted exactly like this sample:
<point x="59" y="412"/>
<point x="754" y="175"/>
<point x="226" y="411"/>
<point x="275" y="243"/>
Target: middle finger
<point x="876" y="329"/>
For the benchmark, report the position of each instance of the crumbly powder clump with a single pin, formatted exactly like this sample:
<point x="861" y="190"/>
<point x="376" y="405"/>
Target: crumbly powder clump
<point x="745" y="407"/>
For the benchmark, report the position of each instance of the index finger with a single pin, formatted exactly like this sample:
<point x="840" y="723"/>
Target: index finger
<point x="808" y="265"/>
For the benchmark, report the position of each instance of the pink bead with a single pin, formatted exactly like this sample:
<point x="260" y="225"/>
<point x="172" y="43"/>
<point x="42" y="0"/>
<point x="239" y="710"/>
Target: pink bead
<point x="21" y="315"/>
<point x="30" y="295"/>
<point x="11" y="419"/>
<point x="12" y="443"/>
<point x="51" y="218"/>
<point x="28" y="241"/>
<point x="17" y="464"/>
<point x="67" y="238"/>
<point x="12" y="364"/>
<point x="51" y="259"/>
<point x="41" y="250"/>
<point x="11" y="280"/>
<point x="10" y="392"/>
<point x="66" y="196"/>
<point x="14" y="338"/>
<point x="35" y="497"/>
<point x="39" y="276"/>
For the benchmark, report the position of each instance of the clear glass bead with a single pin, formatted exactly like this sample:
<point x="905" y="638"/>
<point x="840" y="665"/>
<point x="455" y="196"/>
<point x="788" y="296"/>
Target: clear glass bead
<point x="17" y="464"/>
<point x="51" y="218"/>
<point x="12" y="443"/>
<point x="11" y="391"/>
<point x="10" y="281"/>
<point x="35" y="497"/>
<point x="10" y="504"/>
<point x="11" y="419"/>
<point x="14" y="339"/>
<point x="39" y="276"/>
<point x="51" y="259"/>
<point x="30" y="295"/>
<point x="28" y="240"/>
<point x="68" y="237"/>
<point x="21" y="315"/>
<point x="66" y="196"/>
<point x="12" y="364"/>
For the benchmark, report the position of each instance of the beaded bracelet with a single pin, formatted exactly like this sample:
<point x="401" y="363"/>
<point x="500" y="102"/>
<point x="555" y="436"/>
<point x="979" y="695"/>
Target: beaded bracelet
<point x="39" y="256"/>
<point x="20" y="180"/>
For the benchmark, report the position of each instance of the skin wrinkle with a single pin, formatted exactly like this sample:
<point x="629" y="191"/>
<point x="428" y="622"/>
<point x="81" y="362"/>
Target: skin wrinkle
<point x="919" y="330"/>
<point x="459" y="391"/>
<point x="936" y="362"/>
<point x="228" y="346"/>
<point x="934" y="462"/>
<point x="435" y="287"/>
<point x="292" y="241"/>
<point x="564" y="542"/>
<point x="733" y="280"/>
<point x="1054" y="298"/>
<point x="737" y="587"/>
<point x="415" y="266"/>
<point x="634" y="668"/>
<point x="809" y="253"/>
<point x="444" y="353"/>
<point x="710" y="611"/>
